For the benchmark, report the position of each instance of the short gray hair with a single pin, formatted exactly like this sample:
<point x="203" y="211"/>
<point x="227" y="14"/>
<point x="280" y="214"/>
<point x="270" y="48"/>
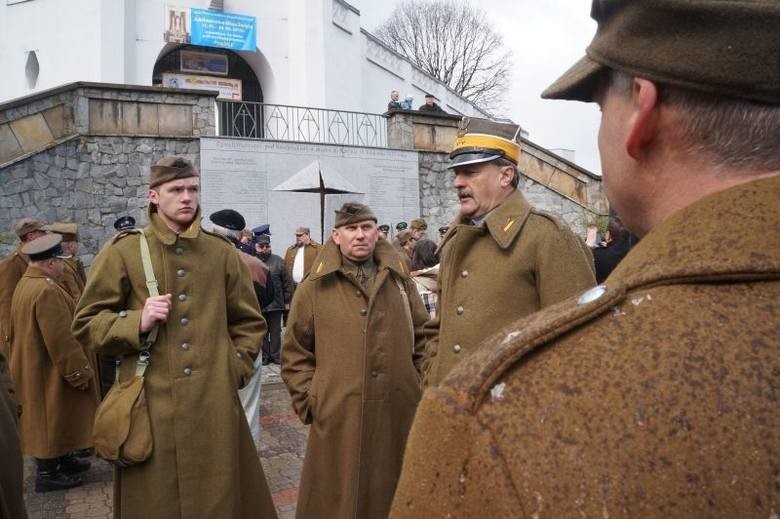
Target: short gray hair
<point x="224" y="231"/>
<point x="730" y="133"/>
<point x="502" y="162"/>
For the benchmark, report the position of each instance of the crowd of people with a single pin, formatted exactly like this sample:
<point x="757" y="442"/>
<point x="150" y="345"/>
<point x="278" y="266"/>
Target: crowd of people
<point x="497" y="371"/>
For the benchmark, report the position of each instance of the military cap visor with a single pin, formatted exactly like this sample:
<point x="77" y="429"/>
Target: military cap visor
<point x="473" y="148"/>
<point x="710" y="46"/>
<point x="124" y="223"/>
<point x="45" y="247"/>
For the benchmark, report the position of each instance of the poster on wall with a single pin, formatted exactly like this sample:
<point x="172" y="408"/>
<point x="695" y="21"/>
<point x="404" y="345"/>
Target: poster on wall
<point x="177" y="24"/>
<point x="228" y="88"/>
<point x="204" y="62"/>
<point x="223" y="30"/>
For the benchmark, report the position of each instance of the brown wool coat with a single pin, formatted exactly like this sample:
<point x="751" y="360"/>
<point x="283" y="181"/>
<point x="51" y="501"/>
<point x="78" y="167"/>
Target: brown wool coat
<point x="204" y="463"/>
<point x="310" y="252"/>
<point x="521" y="261"/>
<point x="658" y="399"/>
<point x="47" y="363"/>
<point x="11" y="469"/>
<point x="74" y="277"/>
<point x="12" y="269"/>
<point x="352" y="365"/>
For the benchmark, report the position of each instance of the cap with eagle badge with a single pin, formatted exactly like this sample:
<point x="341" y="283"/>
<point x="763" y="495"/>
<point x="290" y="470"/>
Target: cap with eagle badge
<point x="124" y="223"/>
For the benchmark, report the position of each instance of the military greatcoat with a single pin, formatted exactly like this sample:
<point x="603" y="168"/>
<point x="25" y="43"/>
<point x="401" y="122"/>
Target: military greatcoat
<point x="519" y="262"/>
<point x="12" y="269"/>
<point x="74" y="277"/>
<point x="204" y="463"/>
<point x="351" y="360"/>
<point x="48" y="365"/>
<point x="310" y="252"/>
<point x="11" y="469"/>
<point x="658" y="398"/>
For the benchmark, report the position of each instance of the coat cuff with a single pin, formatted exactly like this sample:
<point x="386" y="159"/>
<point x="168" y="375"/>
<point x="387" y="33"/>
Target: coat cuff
<point x="125" y="330"/>
<point x="76" y="369"/>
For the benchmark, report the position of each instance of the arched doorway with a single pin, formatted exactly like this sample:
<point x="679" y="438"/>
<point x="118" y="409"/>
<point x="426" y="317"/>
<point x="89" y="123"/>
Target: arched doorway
<point x="208" y="62"/>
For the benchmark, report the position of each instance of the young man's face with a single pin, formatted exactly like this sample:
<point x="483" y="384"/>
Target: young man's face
<point x="356" y="240"/>
<point x="482" y="187"/>
<point x="429" y="101"/>
<point x="177" y="202"/>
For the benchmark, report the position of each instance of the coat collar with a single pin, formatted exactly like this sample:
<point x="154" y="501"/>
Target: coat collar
<point x="729" y="235"/>
<point x="503" y="223"/>
<point x="329" y="260"/>
<point x="164" y="233"/>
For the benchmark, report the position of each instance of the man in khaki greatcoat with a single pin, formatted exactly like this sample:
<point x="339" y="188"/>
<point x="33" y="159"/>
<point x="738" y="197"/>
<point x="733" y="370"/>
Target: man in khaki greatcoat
<point x="501" y="259"/>
<point x="11" y="470"/>
<point x="351" y="361"/>
<point x="74" y="276"/>
<point x="203" y="462"/>
<point x="12" y="269"/>
<point x="299" y="256"/>
<point x="655" y="394"/>
<point x="55" y="377"/>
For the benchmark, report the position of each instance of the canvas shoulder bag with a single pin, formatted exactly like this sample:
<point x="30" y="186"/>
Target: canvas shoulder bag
<point x="122" y="432"/>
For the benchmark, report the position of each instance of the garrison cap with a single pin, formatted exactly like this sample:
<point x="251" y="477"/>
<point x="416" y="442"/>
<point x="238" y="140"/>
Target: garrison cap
<point x="124" y="223"/>
<point x="229" y="219"/>
<point x="170" y="168"/>
<point x="480" y="140"/>
<point x="27" y="225"/>
<point x="45" y="247"/>
<point x="418" y="223"/>
<point x="68" y="231"/>
<point x="353" y="212"/>
<point x="384" y="228"/>
<point x="400" y="226"/>
<point x="729" y="48"/>
<point x="302" y="230"/>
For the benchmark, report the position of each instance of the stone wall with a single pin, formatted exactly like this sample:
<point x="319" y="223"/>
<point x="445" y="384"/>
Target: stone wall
<point x="94" y="167"/>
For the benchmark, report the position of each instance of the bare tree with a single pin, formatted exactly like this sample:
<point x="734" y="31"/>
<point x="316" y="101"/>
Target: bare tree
<point x="453" y="42"/>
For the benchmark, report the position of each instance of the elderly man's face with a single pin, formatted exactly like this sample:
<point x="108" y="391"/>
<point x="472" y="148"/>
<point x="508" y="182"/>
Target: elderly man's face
<point x="302" y="239"/>
<point x="394" y="95"/>
<point x="482" y="187"/>
<point x="356" y="241"/>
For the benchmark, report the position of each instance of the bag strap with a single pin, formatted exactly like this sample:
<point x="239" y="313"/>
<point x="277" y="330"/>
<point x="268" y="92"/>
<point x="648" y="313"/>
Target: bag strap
<point x="151" y="285"/>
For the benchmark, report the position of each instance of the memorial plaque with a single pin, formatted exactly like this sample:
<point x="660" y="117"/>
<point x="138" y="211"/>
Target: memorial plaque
<point x="242" y="174"/>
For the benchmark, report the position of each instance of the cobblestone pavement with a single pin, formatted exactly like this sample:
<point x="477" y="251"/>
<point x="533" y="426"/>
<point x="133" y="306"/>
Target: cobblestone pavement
<point x="283" y="444"/>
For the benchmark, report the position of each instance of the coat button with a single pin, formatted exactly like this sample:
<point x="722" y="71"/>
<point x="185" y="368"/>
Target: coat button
<point x="459" y="310"/>
<point x="363" y="311"/>
<point x="358" y="293"/>
<point x="182" y="297"/>
<point x="184" y="321"/>
<point x="238" y="354"/>
<point x="187" y="371"/>
<point x="123" y="313"/>
<point x="180" y="273"/>
<point x="464" y="274"/>
<point x="374" y="373"/>
<point x="456" y="348"/>
<point x="179" y="251"/>
<point x="185" y="346"/>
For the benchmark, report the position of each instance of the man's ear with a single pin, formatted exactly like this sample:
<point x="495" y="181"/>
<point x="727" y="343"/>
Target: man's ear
<point x="153" y="196"/>
<point x="334" y="233"/>
<point x="507" y="173"/>
<point x="643" y="125"/>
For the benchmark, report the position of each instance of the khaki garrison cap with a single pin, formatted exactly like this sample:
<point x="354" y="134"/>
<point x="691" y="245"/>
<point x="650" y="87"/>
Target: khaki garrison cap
<point x="729" y="48"/>
<point x="26" y="225"/>
<point x="171" y="168"/>
<point x="353" y="212"/>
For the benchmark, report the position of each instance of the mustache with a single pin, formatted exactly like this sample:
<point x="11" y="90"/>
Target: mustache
<point x="462" y="193"/>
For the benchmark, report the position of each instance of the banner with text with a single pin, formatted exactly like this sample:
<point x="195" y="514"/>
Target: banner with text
<point x="223" y="30"/>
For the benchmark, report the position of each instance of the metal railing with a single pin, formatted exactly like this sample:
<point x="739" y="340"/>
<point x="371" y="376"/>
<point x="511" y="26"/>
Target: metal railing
<point x="301" y="124"/>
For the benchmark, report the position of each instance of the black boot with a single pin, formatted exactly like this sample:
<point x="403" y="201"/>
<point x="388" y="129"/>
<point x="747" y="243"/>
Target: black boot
<point x="83" y="453"/>
<point x="50" y="478"/>
<point x="70" y="464"/>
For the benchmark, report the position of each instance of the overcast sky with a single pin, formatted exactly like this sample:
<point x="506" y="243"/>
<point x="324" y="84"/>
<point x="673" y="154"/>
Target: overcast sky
<point x="546" y="38"/>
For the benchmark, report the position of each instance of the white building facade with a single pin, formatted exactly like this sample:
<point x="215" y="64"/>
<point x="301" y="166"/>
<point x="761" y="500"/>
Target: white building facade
<point x="306" y="52"/>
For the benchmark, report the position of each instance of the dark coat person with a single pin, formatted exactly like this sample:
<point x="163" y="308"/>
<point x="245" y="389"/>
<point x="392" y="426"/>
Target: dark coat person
<point x="351" y="360"/>
<point x="203" y="463"/>
<point x="279" y="303"/>
<point x="654" y="394"/>
<point x="607" y="258"/>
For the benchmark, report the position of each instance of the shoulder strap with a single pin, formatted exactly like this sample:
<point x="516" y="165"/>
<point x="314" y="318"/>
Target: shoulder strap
<point x="151" y="285"/>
